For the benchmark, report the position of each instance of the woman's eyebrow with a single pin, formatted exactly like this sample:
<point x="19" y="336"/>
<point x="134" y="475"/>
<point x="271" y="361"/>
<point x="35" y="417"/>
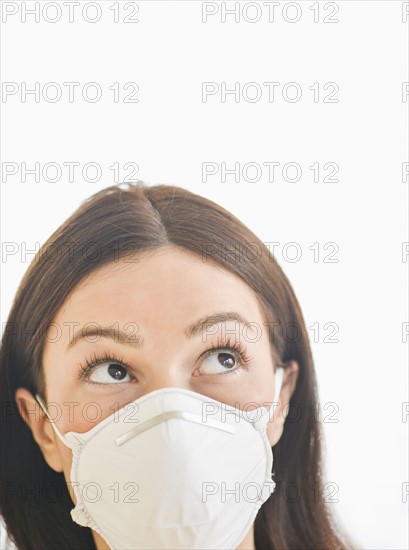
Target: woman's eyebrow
<point x="206" y="322"/>
<point x="130" y="339"/>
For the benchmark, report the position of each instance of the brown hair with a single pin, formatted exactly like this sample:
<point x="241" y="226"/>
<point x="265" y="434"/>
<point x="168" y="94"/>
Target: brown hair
<point x="110" y="226"/>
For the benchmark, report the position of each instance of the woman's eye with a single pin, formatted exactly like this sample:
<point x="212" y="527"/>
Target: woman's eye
<point x="109" y="373"/>
<point x="218" y="362"/>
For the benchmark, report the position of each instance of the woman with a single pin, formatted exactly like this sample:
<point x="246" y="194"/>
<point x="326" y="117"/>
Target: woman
<point x="148" y="302"/>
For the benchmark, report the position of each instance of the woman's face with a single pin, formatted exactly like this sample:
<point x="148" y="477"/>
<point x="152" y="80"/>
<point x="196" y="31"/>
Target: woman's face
<point x="159" y="303"/>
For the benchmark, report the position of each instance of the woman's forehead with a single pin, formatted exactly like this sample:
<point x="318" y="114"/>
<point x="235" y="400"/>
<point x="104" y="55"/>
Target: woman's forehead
<point x="165" y="287"/>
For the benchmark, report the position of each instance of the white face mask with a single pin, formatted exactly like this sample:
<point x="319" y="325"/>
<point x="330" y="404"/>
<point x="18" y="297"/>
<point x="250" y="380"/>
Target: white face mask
<point x="174" y="469"/>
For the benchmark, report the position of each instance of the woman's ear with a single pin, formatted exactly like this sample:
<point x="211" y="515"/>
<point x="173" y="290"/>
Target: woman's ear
<point x="43" y="432"/>
<point x="275" y="426"/>
<point x="290" y="377"/>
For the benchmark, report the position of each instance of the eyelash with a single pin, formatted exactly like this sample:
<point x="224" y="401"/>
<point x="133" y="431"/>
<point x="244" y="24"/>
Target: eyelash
<point x="227" y="345"/>
<point x="238" y="351"/>
<point x="99" y="359"/>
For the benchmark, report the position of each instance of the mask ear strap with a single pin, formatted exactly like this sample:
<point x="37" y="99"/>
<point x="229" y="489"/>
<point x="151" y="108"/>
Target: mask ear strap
<point x="260" y="423"/>
<point x="61" y="437"/>
<point x="278" y="382"/>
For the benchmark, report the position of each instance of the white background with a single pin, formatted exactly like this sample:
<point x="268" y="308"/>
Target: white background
<point x="171" y="132"/>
